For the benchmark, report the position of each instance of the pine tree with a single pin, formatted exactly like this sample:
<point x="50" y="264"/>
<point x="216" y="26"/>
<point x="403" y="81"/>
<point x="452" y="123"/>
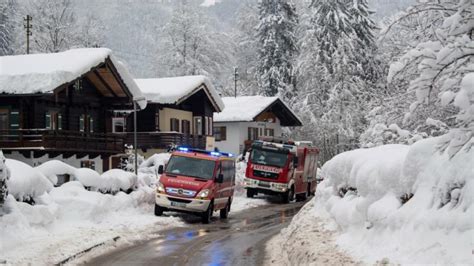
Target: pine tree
<point x="276" y="35"/>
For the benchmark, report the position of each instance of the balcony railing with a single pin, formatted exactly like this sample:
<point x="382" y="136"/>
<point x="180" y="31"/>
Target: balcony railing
<point x="163" y="140"/>
<point x="61" y="140"/>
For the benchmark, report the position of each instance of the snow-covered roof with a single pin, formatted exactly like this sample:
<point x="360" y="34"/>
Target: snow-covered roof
<point x="175" y="90"/>
<point x="247" y="108"/>
<point x="43" y="73"/>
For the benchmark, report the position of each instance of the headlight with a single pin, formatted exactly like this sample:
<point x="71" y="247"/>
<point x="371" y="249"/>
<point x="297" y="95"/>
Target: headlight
<point x="203" y="193"/>
<point x="160" y="188"/>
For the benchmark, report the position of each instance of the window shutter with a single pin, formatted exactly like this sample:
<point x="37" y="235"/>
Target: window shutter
<point x="14" y="120"/>
<point x="60" y="122"/>
<point x="48" y="121"/>
<point x="223" y="133"/>
<point x="91" y="124"/>
<point x="81" y="123"/>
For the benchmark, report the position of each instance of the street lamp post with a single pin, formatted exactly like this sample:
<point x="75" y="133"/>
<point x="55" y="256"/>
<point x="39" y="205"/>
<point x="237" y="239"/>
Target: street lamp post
<point x="135" y="100"/>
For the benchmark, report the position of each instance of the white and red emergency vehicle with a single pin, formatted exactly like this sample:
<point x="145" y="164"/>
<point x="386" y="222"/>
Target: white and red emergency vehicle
<point x="196" y="181"/>
<point x="279" y="167"/>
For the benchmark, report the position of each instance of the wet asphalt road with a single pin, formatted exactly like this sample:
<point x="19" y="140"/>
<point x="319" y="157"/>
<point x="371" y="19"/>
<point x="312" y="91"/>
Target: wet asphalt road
<point x="239" y="240"/>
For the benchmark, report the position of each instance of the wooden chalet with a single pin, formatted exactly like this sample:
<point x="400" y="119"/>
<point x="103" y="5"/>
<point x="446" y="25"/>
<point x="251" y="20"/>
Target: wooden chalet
<point x="179" y="112"/>
<point x="64" y="104"/>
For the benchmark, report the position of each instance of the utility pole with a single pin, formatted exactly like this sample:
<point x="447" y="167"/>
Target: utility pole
<point x="236" y="75"/>
<point x="28" y="27"/>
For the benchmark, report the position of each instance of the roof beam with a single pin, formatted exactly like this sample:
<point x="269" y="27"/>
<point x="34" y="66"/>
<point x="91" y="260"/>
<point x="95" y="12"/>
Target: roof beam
<point x="106" y="85"/>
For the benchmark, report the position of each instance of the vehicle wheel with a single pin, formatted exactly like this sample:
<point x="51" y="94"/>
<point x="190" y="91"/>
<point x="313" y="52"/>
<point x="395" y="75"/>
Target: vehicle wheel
<point x="289" y="195"/>
<point x="225" y="212"/>
<point x="207" y="215"/>
<point x="250" y="193"/>
<point x="158" y="210"/>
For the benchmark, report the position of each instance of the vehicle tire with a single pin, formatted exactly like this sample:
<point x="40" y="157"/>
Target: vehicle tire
<point x="225" y="212"/>
<point x="251" y="193"/>
<point x="158" y="210"/>
<point x="289" y="195"/>
<point x="207" y="215"/>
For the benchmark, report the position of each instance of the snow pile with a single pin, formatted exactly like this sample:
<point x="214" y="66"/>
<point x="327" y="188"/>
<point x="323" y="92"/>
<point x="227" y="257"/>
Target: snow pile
<point x="116" y="179"/>
<point x="4" y="176"/>
<point x="409" y="204"/>
<point x="26" y="183"/>
<point x="51" y="169"/>
<point x="41" y="73"/>
<point x="174" y="90"/>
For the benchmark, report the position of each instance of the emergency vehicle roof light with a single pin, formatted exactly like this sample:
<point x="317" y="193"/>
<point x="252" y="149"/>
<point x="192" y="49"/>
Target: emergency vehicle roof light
<point x="213" y="153"/>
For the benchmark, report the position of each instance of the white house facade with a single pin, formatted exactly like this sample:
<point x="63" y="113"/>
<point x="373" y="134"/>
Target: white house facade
<point x="247" y="118"/>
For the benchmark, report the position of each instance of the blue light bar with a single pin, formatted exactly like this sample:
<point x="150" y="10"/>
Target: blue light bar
<point x="213" y="153"/>
<point x="183" y="149"/>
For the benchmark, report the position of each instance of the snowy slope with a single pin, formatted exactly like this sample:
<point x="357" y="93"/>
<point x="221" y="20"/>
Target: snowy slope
<point x="397" y="203"/>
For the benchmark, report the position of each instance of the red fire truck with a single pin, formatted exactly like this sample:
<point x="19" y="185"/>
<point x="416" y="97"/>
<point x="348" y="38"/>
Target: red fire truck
<point x="279" y="167"/>
<point x="196" y="181"/>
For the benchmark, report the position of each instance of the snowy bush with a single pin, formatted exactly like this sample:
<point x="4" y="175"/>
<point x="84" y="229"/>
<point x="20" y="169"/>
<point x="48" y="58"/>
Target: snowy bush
<point x="418" y="193"/>
<point x="26" y="183"/>
<point x="116" y="180"/>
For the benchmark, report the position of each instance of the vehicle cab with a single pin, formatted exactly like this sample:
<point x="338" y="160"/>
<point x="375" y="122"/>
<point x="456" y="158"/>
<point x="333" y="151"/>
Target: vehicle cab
<point x="196" y="181"/>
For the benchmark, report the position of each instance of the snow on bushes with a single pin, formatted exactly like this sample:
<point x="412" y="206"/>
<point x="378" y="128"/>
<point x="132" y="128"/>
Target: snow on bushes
<point x="26" y="183"/>
<point x="411" y="204"/>
<point x="117" y="179"/>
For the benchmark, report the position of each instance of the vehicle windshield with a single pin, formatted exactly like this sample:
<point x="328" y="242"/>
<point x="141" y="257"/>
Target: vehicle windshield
<point x="266" y="157"/>
<point x="194" y="167"/>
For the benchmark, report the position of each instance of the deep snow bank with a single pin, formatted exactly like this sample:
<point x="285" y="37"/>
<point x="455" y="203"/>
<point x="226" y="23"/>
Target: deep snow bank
<point x="410" y="204"/>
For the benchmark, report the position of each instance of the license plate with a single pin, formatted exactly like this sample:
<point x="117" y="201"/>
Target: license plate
<point x="178" y="204"/>
<point x="264" y="184"/>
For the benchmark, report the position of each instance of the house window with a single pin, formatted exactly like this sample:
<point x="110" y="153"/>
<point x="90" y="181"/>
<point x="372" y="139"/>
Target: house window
<point x="118" y="124"/>
<point x="88" y="164"/>
<point x="197" y="125"/>
<point x="220" y="133"/>
<point x="252" y="133"/>
<point x="4" y="121"/>
<point x="53" y="120"/>
<point x="270" y="132"/>
<point x="186" y="127"/>
<point x="174" y="124"/>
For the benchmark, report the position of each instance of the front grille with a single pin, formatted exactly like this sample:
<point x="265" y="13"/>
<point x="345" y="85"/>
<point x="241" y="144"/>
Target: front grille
<point x="263" y="174"/>
<point x="180" y="192"/>
<point x="179" y="200"/>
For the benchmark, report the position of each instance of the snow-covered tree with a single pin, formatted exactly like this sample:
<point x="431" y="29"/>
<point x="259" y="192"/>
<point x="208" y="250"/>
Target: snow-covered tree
<point x="192" y="47"/>
<point x="247" y="46"/>
<point x="56" y="27"/>
<point x="338" y="73"/>
<point x="7" y="8"/>
<point x="277" y="48"/>
<point x="445" y="66"/>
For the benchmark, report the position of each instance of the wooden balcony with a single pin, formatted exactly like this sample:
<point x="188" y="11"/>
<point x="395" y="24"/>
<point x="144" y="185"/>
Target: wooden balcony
<point x="163" y="140"/>
<point x="61" y="140"/>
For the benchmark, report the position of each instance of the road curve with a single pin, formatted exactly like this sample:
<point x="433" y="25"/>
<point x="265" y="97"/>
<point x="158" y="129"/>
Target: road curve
<point x="239" y="240"/>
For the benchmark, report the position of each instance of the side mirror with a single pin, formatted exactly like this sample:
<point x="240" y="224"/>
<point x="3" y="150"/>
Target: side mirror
<point x="160" y="169"/>
<point x="295" y="161"/>
<point x="220" y="178"/>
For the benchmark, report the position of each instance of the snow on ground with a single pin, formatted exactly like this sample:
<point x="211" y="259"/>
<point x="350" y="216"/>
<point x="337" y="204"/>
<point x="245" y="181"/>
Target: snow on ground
<point x="393" y="203"/>
<point x="69" y="219"/>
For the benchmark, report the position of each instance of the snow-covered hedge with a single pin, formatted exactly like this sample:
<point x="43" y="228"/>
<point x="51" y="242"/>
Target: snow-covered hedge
<point x="411" y="204"/>
<point x="26" y="183"/>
